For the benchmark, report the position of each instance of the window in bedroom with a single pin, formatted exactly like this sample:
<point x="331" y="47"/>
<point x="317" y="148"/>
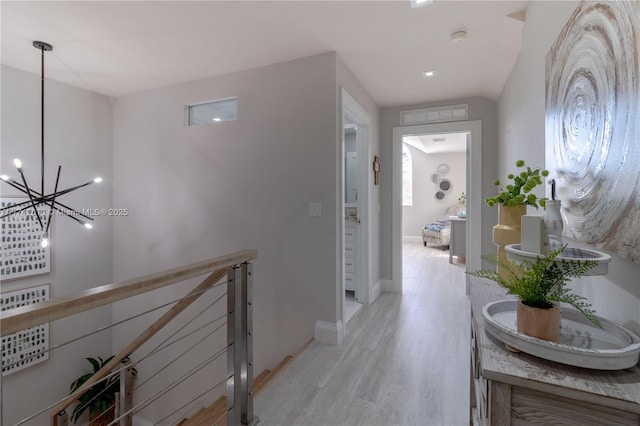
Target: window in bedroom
<point x="407" y="177"/>
<point x="211" y="112"/>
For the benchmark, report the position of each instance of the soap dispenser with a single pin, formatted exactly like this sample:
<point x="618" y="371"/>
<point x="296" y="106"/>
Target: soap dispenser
<point x="553" y="221"/>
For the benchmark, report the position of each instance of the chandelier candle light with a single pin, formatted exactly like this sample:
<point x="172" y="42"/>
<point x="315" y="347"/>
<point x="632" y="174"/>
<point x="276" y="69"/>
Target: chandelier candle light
<point x="38" y="200"/>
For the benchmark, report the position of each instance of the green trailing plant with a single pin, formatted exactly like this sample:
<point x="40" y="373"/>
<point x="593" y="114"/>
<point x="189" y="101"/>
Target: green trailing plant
<point x="541" y="282"/>
<point x="101" y="396"/>
<point x="518" y="191"/>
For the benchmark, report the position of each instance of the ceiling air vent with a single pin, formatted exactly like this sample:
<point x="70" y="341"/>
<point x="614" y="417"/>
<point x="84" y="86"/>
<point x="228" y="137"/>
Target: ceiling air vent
<point x="433" y="115"/>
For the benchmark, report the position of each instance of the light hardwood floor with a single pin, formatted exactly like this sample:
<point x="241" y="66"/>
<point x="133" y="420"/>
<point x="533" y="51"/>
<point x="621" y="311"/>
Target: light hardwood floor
<point x="404" y="359"/>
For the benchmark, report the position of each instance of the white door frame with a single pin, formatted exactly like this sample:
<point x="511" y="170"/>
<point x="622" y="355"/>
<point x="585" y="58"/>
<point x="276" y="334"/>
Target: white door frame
<point x="354" y="113"/>
<point x="473" y="128"/>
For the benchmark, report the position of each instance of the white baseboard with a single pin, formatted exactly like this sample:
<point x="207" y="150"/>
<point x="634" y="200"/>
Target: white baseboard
<point x="388" y="285"/>
<point x="375" y="291"/>
<point x="411" y="238"/>
<point x="329" y="332"/>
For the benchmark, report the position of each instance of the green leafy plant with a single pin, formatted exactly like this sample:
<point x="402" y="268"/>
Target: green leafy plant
<point x="101" y="396"/>
<point x="543" y="281"/>
<point x="518" y="192"/>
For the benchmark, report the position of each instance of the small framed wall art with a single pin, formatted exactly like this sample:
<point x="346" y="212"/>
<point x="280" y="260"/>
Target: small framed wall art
<point x="29" y="346"/>
<point x="20" y="236"/>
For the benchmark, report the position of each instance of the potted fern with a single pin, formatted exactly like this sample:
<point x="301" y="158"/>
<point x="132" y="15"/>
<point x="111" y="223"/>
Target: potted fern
<point x="100" y="398"/>
<point x="539" y="285"/>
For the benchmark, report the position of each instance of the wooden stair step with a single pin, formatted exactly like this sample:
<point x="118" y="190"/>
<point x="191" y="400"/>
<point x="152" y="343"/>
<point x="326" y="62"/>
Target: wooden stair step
<point x="272" y="374"/>
<point x="260" y="379"/>
<point x="195" y="419"/>
<point x="214" y="413"/>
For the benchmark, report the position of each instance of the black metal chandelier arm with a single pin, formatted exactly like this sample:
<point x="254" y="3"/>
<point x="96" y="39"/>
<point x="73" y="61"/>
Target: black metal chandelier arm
<point x="17" y="186"/>
<point x="15" y="211"/>
<point x="53" y="202"/>
<point x="25" y="189"/>
<point x="75" y="212"/>
<point x="72" y="215"/>
<point x="41" y="200"/>
<point x="68" y="190"/>
<point x="65" y="210"/>
<point x="27" y="205"/>
<point x="31" y="198"/>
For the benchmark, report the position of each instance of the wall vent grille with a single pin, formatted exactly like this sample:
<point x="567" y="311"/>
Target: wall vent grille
<point x="434" y="115"/>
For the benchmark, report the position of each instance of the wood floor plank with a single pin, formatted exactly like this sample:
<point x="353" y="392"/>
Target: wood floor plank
<point x="404" y="359"/>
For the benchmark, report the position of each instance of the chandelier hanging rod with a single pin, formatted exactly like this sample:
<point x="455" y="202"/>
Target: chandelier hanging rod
<point x="44" y="47"/>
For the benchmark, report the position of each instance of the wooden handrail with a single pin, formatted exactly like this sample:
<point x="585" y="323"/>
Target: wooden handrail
<point x="141" y="339"/>
<point x="14" y="320"/>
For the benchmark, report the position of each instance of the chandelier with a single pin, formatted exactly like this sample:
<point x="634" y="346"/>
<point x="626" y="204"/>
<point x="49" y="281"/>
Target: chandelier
<point x="40" y="204"/>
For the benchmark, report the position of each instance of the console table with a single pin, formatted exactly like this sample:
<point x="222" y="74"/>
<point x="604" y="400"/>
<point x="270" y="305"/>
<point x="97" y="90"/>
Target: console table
<point x="519" y="389"/>
<point x="458" y="240"/>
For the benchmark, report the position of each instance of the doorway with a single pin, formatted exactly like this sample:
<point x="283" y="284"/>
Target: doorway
<point x="434" y="168"/>
<point x="353" y="292"/>
<point x="473" y="130"/>
<point x="354" y="249"/>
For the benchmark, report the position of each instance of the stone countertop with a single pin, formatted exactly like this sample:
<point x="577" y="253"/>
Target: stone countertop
<point x="617" y="389"/>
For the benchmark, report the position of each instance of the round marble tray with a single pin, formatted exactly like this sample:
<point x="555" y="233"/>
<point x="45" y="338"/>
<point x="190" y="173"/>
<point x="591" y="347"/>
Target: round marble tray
<point x="570" y="253"/>
<point x="582" y="344"/>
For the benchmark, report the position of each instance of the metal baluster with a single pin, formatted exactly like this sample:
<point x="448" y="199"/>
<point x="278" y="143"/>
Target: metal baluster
<point x="117" y="410"/>
<point x="247" y="345"/>
<point x="126" y="393"/>
<point x="62" y="419"/>
<point x="233" y="351"/>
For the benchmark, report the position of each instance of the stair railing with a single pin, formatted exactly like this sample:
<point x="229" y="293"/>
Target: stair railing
<point x="238" y="270"/>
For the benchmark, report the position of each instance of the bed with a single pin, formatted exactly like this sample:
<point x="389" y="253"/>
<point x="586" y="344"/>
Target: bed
<point x="438" y="233"/>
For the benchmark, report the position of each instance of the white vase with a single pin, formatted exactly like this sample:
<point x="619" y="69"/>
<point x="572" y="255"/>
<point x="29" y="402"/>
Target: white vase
<point x="553" y="225"/>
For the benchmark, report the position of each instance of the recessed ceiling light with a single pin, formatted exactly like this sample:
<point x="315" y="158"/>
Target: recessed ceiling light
<point x="418" y="3"/>
<point x="217" y="119"/>
<point x="429" y="74"/>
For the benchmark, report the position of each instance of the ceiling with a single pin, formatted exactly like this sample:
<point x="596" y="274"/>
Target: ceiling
<point x="438" y="144"/>
<point x="122" y="47"/>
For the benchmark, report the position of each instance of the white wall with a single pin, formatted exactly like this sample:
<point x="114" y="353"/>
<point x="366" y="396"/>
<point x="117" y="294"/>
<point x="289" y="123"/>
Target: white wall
<point x="479" y="109"/>
<point x="426" y="208"/>
<point x="78" y="137"/>
<point x="615" y="296"/>
<point x="199" y="192"/>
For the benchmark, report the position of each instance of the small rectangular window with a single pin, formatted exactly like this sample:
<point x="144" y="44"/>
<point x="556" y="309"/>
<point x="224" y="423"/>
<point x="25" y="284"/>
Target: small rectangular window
<point x="212" y="112"/>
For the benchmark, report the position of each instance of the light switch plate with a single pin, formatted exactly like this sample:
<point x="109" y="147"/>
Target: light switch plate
<point x="315" y="208"/>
